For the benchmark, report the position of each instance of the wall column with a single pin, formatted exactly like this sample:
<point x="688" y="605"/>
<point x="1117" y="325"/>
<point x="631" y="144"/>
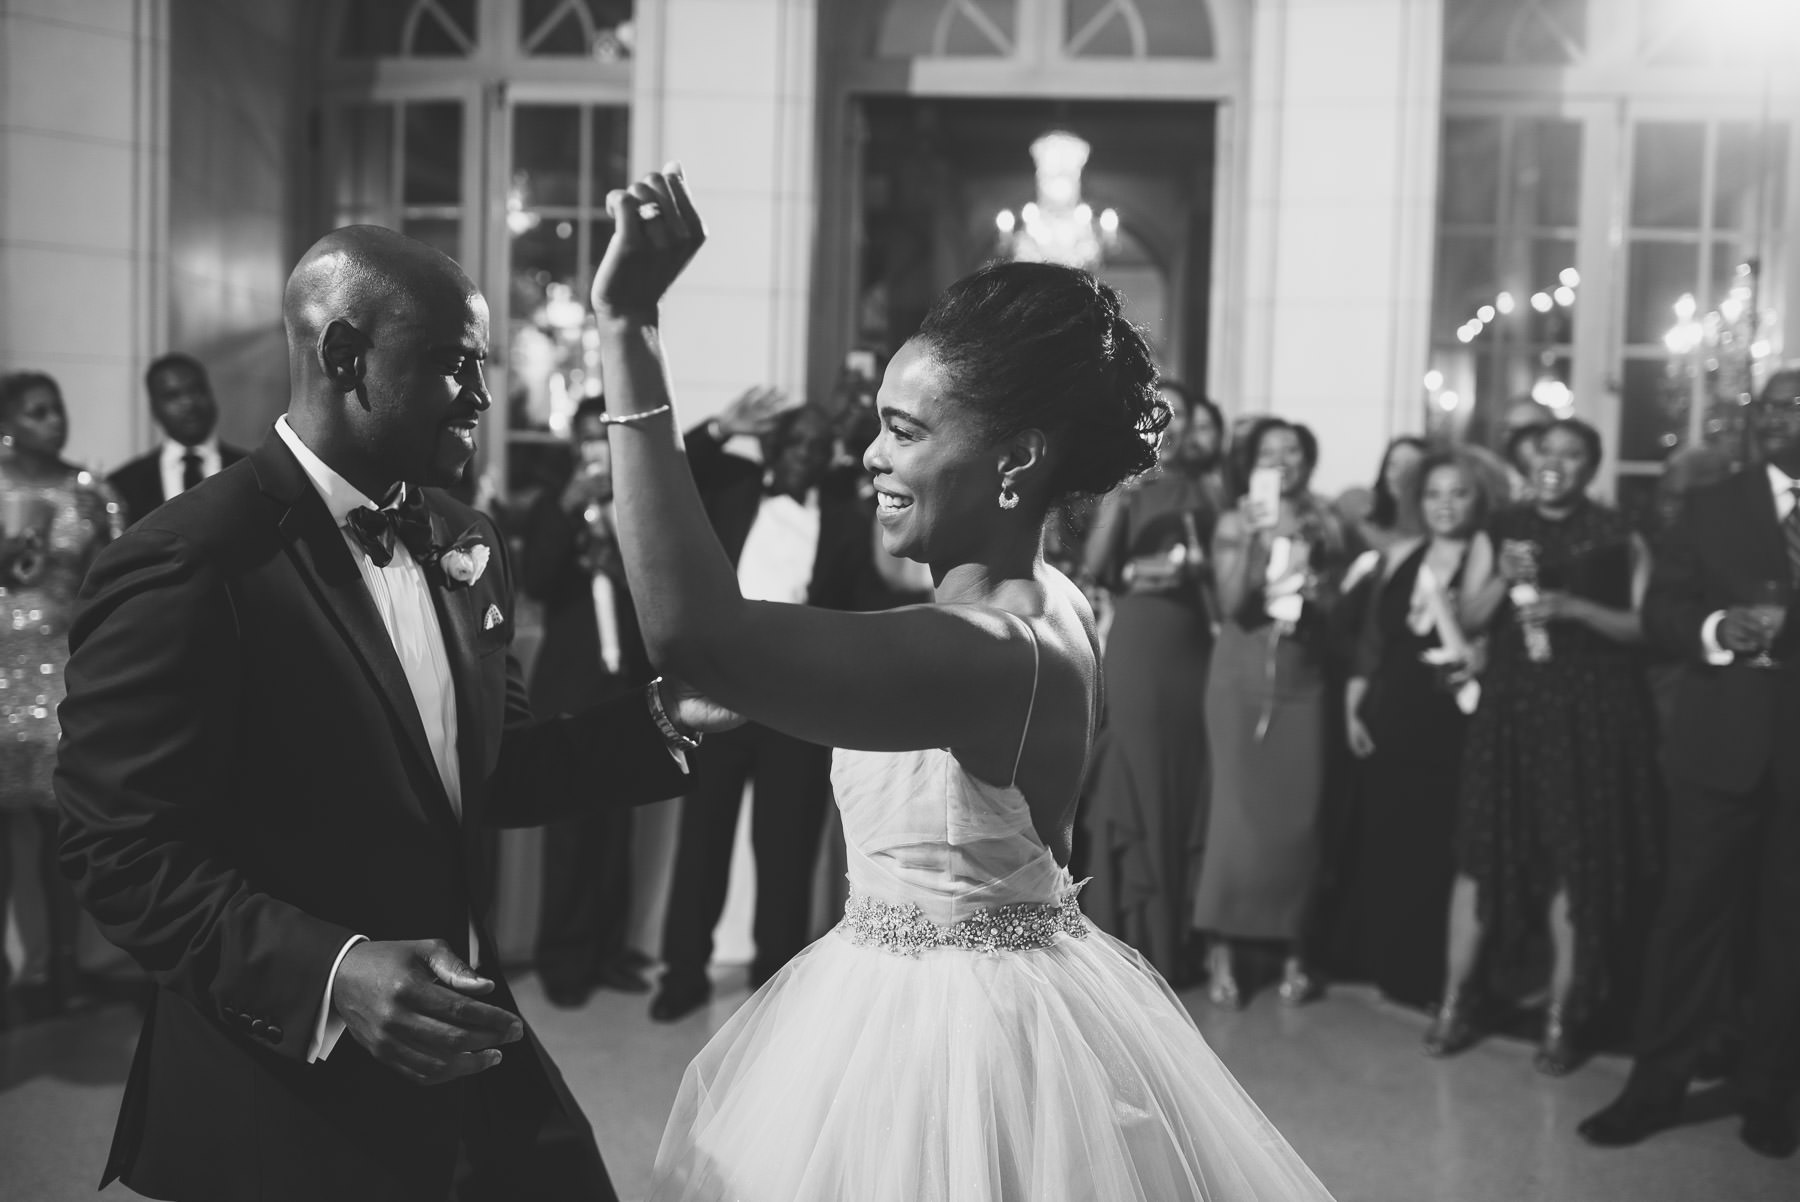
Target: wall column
<point x="84" y="162"/>
<point x="1340" y="220"/>
<point x="728" y="88"/>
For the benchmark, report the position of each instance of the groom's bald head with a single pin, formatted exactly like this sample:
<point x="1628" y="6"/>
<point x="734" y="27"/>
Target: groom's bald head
<point x="385" y="340"/>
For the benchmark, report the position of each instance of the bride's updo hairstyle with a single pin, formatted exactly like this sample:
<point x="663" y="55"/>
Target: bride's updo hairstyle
<point x="1036" y="345"/>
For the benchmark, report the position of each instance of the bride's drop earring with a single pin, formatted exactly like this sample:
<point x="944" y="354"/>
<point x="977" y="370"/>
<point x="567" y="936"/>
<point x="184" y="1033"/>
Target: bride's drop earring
<point x="1008" y="498"/>
<point x="6" y="440"/>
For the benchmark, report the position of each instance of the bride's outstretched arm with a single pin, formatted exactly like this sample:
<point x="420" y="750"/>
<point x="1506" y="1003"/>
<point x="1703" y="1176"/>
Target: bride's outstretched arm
<point x="924" y="676"/>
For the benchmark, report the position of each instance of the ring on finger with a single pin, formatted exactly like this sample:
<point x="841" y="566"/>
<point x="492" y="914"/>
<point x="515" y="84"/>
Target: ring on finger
<point x="649" y="211"/>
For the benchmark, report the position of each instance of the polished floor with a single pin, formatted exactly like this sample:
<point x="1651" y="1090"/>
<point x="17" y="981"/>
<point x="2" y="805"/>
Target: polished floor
<point x="1343" y="1078"/>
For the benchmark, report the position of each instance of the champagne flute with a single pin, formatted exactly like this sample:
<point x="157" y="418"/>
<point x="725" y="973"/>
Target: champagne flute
<point x="1768" y="604"/>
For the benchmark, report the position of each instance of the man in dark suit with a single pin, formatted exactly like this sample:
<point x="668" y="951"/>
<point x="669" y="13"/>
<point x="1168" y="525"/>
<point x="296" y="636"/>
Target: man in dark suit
<point x="1733" y="761"/>
<point x="289" y="713"/>
<point x="791" y="539"/>
<point x="181" y="400"/>
<point x="591" y="652"/>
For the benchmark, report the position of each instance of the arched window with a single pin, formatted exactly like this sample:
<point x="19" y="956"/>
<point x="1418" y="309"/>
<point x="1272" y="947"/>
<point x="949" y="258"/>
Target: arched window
<point x="1070" y="29"/>
<point x="1541" y="33"/>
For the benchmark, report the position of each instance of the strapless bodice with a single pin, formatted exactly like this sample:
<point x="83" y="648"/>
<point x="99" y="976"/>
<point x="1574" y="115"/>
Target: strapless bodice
<point x="921" y="830"/>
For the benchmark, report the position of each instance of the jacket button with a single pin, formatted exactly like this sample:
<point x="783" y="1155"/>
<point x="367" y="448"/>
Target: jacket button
<point x="273" y="1035"/>
<point x="227" y="1011"/>
<point x="258" y="1027"/>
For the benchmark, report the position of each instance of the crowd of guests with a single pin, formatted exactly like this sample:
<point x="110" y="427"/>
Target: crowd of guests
<point x="1412" y="736"/>
<point x="1408" y="736"/>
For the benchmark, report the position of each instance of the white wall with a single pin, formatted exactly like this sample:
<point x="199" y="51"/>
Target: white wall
<point x="1340" y="213"/>
<point x="727" y="87"/>
<point x="83" y="164"/>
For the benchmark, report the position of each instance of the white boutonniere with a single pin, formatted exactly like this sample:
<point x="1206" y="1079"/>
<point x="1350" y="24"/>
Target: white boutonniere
<point x="464" y="560"/>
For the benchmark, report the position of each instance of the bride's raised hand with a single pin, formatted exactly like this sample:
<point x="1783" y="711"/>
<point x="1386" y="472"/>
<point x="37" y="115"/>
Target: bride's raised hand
<point x="656" y="231"/>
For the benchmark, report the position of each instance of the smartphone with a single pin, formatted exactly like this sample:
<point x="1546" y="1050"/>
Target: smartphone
<point x="1265" y="491"/>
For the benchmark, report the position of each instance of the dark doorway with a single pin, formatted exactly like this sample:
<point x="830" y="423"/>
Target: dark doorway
<point x="936" y="173"/>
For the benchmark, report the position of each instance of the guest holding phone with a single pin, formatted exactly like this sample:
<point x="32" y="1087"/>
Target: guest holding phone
<point x="54" y="517"/>
<point x="1277" y="560"/>
<point x="1559" y="784"/>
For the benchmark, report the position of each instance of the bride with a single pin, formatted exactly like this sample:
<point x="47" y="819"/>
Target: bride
<point x="963" y="1035"/>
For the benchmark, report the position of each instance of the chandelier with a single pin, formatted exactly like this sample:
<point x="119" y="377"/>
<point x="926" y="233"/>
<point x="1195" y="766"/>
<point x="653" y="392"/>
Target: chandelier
<point x="1058" y="227"/>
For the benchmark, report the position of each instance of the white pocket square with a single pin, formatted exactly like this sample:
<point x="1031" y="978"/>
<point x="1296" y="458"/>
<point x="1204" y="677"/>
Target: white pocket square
<point x="492" y="618"/>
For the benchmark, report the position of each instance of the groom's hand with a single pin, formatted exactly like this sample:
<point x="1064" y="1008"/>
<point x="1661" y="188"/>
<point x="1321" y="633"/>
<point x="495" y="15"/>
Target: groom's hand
<point x="412" y="1006"/>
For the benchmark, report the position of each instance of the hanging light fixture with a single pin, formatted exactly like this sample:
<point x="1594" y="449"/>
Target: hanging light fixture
<point x="1058" y="227"/>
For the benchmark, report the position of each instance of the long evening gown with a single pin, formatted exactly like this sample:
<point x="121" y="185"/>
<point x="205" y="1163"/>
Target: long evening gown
<point x="1146" y="799"/>
<point x="1559" y="783"/>
<point x="1398" y="894"/>
<point x="964" y="1035"/>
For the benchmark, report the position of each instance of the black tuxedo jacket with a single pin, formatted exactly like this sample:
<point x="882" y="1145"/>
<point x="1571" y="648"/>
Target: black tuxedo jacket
<point x="570" y="673"/>
<point x="139" y="481"/>
<point x="1731" y="723"/>
<point x="245" y="783"/>
<point x="731" y="487"/>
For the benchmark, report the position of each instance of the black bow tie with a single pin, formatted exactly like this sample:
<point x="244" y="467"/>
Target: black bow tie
<point x="406" y="518"/>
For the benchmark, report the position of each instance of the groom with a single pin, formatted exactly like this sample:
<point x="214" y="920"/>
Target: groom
<point x="291" y="707"/>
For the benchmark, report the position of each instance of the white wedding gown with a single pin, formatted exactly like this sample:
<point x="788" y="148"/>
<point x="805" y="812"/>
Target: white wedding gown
<point x="963" y="1036"/>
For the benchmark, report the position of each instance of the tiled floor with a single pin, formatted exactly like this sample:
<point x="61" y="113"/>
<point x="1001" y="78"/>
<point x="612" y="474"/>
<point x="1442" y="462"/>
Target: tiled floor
<point x="1343" y="1078"/>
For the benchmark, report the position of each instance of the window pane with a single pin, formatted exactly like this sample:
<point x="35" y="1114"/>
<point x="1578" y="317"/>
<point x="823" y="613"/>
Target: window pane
<point x="1466" y="280"/>
<point x="609" y="161"/>
<point x="548" y="317"/>
<point x="1536" y="32"/>
<point x="364" y="172"/>
<point x="1667" y="173"/>
<point x="1471" y="171"/>
<point x="445" y="233"/>
<point x="433" y="148"/>
<point x="975" y="28"/>
<point x="547" y="153"/>
<point x="1655" y="408"/>
<point x="1172" y="29"/>
<point x="407" y="28"/>
<point x="1550" y="154"/>
<point x="602" y="30"/>
<point x="1658" y="274"/>
<point x="1750" y="172"/>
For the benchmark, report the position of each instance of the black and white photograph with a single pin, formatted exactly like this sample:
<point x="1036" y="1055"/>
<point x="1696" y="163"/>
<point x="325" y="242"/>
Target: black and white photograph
<point x="900" y="600"/>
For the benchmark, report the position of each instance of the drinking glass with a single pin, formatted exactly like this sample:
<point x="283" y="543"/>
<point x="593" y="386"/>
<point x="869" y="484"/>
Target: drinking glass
<point x="1768" y="604"/>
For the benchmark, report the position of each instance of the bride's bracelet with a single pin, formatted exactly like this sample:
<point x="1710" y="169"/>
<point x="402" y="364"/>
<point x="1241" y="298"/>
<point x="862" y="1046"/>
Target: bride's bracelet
<point x="632" y="419"/>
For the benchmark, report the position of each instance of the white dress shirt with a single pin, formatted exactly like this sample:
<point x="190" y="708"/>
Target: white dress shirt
<point x="776" y="563"/>
<point x="1782" y="485"/>
<point x="174" y="467"/>
<point x="402" y="597"/>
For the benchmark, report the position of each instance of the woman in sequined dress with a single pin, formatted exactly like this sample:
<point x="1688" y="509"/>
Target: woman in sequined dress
<point x="964" y="1035"/>
<point x="53" y="518"/>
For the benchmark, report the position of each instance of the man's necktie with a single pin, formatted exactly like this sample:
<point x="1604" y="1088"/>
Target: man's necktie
<point x="405" y="518"/>
<point x="1790" y="532"/>
<point x="191" y="473"/>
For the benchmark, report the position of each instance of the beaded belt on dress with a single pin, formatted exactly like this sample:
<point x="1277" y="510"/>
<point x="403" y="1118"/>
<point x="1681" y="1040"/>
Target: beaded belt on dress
<point x="902" y="928"/>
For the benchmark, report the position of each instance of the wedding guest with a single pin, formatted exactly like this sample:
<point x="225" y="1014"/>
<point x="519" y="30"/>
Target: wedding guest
<point x="790" y="540"/>
<point x="1734" y="765"/>
<point x="1380" y="516"/>
<point x="1277" y="563"/>
<point x="181" y="401"/>
<point x="1146" y="809"/>
<point x="1559" y="789"/>
<point x="1406" y="709"/>
<point x="53" y="518"/>
<point x="1524" y="423"/>
<point x="591" y="653"/>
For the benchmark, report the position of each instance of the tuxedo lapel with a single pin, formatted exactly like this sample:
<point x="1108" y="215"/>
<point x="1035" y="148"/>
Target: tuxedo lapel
<point x="1768" y="546"/>
<point x="457" y="619"/>
<point x="318" y="550"/>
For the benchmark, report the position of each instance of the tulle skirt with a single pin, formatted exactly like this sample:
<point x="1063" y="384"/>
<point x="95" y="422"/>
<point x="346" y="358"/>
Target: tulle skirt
<point x="1062" y="1074"/>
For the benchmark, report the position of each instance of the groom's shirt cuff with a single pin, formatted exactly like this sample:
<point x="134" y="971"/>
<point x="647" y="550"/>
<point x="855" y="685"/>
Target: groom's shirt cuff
<point x="1710" y="648"/>
<point x="329" y="1027"/>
